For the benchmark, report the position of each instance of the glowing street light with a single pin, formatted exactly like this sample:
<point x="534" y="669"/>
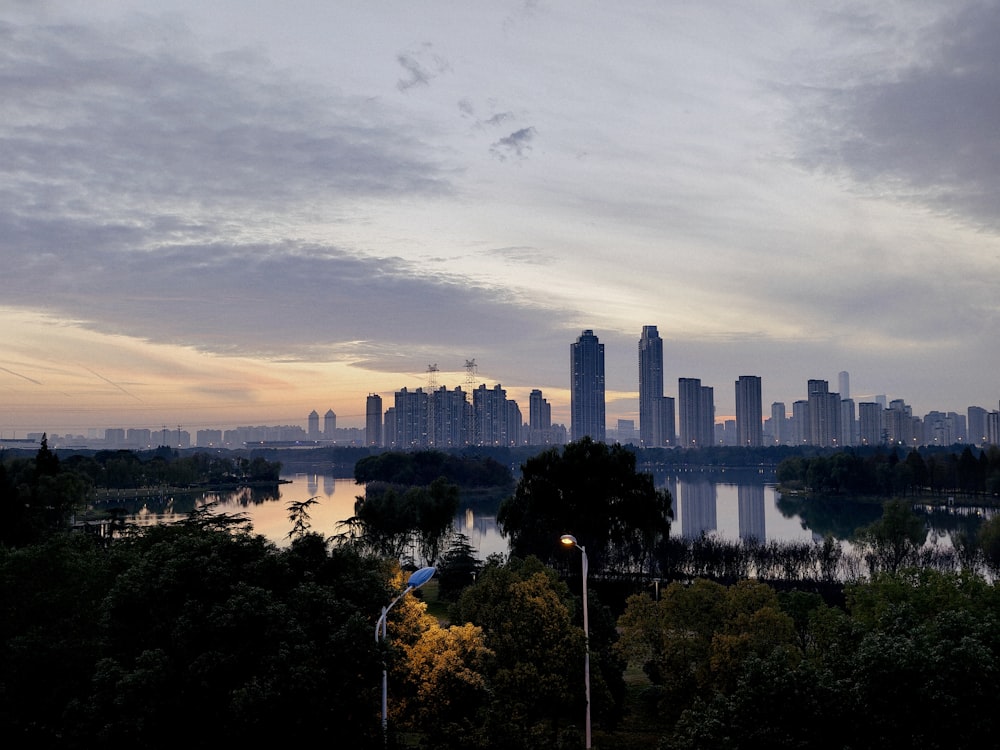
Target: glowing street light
<point x="569" y="540"/>
<point x="418" y="579"/>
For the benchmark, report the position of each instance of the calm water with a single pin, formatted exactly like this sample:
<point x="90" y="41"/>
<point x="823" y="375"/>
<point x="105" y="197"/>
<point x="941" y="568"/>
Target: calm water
<point x="730" y="511"/>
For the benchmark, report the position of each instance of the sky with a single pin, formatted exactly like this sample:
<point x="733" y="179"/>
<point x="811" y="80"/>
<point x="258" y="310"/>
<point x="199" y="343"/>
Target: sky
<point x="225" y="213"/>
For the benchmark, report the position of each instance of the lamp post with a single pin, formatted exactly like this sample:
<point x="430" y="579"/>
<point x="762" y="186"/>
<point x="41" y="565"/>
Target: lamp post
<point x="417" y="579"/>
<point x="569" y="540"/>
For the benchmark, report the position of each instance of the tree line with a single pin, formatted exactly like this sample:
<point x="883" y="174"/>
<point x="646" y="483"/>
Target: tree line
<point x="884" y="473"/>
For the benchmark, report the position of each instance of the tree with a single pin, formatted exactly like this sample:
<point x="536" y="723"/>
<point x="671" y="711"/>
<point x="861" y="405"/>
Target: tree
<point x="443" y="687"/>
<point x="894" y="539"/>
<point x="458" y="568"/>
<point x="389" y="519"/>
<point x="536" y="672"/>
<point x="989" y="542"/>
<point x="590" y="490"/>
<point x="695" y="639"/>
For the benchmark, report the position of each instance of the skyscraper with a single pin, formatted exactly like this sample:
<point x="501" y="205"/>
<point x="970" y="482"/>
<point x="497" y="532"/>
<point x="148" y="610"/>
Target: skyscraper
<point x="779" y="428"/>
<point x="824" y="414"/>
<point x="844" y="384"/>
<point x="695" y="413"/>
<point x="373" y="420"/>
<point x="539" y="419"/>
<point x="870" y="419"/>
<point x="587" y="387"/>
<point x="651" y="429"/>
<point x="749" y="429"/>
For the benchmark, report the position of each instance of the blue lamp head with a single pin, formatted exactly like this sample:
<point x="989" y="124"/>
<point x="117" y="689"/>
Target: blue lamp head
<point x="420" y="577"/>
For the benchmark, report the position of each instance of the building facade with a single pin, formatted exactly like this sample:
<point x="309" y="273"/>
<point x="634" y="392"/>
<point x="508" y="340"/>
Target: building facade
<point x="749" y="412"/>
<point x="587" y="388"/>
<point x="373" y="420"/>
<point x="695" y="413"/>
<point x="652" y="429"/>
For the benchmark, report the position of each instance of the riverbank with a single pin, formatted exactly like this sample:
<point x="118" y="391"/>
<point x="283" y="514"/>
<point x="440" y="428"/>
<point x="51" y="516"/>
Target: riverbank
<point x="109" y="494"/>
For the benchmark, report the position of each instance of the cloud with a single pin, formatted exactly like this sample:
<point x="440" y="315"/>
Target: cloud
<point x="421" y="66"/>
<point x="515" y="145"/>
<point x="524" y="255"/>
<point x="926" y="130"/>
<point x="129" y="135"/>
<point x="156" y="193"/>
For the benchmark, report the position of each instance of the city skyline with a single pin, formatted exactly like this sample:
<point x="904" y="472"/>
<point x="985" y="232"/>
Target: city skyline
<point x="218" y="214"/>
<point x="440" y="417"/>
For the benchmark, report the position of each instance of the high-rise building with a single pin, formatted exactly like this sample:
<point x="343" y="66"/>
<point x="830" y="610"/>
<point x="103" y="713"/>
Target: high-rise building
<point x="800" y="422"/>
<point x="978" y="433"/>
<point x="844" y="384"/>
<point x="749" y="428"/>
<point x="411" y="419"/>
<point x="870" y="423"/>
<point x="491" y="417"/>
<point x="665" y="418"/>
<point x="695" y="413"/>
<point x="587" y="388"/>
<point x="373" y="420"/>
<point x="651" y="428"/>
<point x="539" y="419"/>
<point x="707" y="415"/>
<point x="848" y="423"/>
<point x="449" y="417"/>
<point x="329" y="424"/>
<point x="313" y="425"/>
<point x="824" y="414"/>
<point x="779" y="430"/>
<point x="899" y="423"/>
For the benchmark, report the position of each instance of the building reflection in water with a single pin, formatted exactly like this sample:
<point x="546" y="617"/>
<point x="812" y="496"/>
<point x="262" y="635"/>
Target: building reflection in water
<point x="751" y="508"/>
<point x="482" y="532"/>
<point x="698" y="508"/>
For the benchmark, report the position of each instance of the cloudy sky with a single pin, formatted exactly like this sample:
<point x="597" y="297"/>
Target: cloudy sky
<point x="222" y="213"/>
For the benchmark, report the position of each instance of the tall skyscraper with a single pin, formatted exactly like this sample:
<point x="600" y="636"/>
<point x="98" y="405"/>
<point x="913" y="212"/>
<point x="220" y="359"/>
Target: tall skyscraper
<point x="824" y="414"/>
<point x="844" y="384"/>
<point x="587" y="388"/>
<point x="848" y="421"/>
<point x="749" y="428"/>
<point x="373" y="420"/>
<point x="539" y="419"/>
<point x="695" y="413"/>
<point x="651" y="429"/>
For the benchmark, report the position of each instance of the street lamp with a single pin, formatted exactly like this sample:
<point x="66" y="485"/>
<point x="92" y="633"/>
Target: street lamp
<point x="418" y="579"/>
<point x="569" y="540"/>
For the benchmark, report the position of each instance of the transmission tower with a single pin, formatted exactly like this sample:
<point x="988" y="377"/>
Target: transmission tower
<point x="432" y="371"/>
<point x="470" y="373"/>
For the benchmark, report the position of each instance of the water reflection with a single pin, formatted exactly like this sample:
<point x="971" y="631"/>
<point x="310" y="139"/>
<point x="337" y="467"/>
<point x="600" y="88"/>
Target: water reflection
<point x="750" y="498"/>
<point x="699" y="513"/>
<point x="729" y="510"/>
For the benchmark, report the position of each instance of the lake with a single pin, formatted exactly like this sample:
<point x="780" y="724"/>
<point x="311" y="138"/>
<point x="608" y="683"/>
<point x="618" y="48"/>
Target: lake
<point x="729" y="510"/>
